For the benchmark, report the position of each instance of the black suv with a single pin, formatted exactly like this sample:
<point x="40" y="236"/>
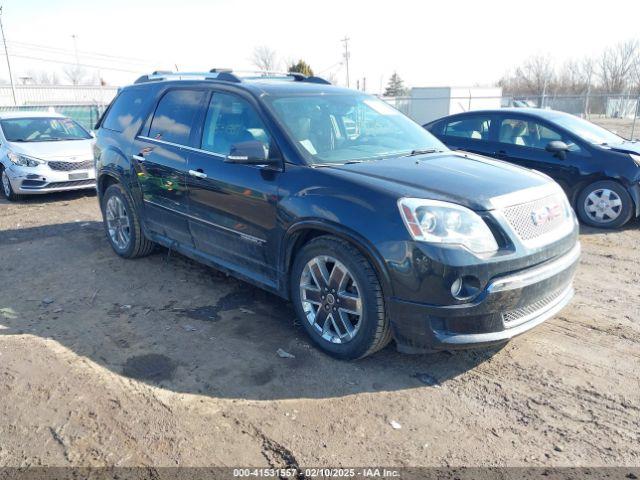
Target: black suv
<point x="334" y="200"/>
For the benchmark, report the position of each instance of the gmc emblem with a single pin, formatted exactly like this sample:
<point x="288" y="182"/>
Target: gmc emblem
<point x="546" y="214"/>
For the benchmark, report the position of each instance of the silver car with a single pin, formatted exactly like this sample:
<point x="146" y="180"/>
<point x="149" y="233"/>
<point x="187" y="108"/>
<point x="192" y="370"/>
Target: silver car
<point x="43" y="152"/>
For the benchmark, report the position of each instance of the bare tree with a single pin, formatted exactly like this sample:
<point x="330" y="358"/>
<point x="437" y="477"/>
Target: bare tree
<point x="42" y="77"/>
<point x="535" y="76"/>
<point x="75" y="74"/>
<point x="616" y="66"/>
<point x="264" y="58"/>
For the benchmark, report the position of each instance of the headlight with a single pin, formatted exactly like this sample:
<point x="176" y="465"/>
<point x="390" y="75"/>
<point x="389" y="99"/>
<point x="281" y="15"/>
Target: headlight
<point x="635" y="158"/>
<point x="23" y="160"/>
<point x="442" y="222"/>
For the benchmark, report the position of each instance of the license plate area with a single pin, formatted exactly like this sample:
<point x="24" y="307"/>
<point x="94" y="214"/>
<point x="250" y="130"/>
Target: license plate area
<point x="78" y="176"/>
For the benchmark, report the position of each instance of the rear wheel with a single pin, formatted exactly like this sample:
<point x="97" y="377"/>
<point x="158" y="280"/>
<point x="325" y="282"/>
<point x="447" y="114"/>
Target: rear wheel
<point x="338" y="298"/>
<point x="7" y="189"/>
<point x="122" y="224"/>
<point x="604" y="204"/>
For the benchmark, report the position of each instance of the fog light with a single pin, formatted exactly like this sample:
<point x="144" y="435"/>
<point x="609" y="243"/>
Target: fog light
<point x="456" y="287"/>
<point x="465" y="288"/>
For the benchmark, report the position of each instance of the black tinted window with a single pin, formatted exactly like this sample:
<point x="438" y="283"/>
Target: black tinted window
<point x="231" y="120"/>
<point x="476" y="128"/>
<point x="126" y="105"/>
<point x="175" y="116"/>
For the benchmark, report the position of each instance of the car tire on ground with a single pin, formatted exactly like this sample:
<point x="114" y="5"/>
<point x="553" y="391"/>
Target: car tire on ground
<point x="604" y="204"/>
<point x="7" y="189"/>
<point x="338" y="299"/>
<point x="122" y="224"/>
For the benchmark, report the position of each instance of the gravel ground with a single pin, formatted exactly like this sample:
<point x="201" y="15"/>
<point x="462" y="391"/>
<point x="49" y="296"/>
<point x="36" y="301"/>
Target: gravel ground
<point x="163" y="362"/>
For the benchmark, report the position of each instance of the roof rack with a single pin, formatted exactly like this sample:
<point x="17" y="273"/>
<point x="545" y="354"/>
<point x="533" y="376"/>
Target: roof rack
<point x="227" y="75"/>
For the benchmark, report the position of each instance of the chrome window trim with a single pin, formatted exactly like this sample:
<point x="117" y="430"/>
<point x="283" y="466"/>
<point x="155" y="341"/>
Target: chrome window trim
<point x="186" y="147"/>
<point x="244" y="236"/>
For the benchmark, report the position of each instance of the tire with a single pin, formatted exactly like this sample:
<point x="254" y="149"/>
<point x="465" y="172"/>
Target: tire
<point x="135" y="244"/>
<point x="370" y="329"/>
<point x="604" y="204"/>
<point x="5" y="186"/>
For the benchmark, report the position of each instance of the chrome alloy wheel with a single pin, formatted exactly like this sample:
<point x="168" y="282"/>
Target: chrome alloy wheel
<point x="118" y="223"/>
<point x="331" y="299"/>
<point x="603" y="205"/>
<point x="6" y="186"/>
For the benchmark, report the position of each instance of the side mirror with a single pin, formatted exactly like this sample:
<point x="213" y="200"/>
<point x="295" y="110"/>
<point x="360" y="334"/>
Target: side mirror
<point x="252" y="152"/>
<point x="558" y="148"/>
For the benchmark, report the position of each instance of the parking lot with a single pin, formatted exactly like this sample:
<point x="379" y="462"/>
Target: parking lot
<point x="98" y="366"/>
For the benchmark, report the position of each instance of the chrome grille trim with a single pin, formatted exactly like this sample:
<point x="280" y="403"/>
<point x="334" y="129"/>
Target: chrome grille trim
<point x="520" y="217"/>
<point x="513" y="318"/>
<point x="61" y="166"/>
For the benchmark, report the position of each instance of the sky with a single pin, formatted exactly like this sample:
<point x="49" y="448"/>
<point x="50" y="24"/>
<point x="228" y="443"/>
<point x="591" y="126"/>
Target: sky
<point x="429" y="43"/>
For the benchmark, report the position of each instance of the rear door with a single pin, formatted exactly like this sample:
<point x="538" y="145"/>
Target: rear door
<point x="232" y="207"/>
<point x="471" y="133"/>
<point x="160" y="157"/>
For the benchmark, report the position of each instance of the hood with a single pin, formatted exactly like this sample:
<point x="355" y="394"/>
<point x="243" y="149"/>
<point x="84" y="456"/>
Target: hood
<point x="465" y="179"/>
<point x="59" y="150"/>
<point x="626" y="147"/>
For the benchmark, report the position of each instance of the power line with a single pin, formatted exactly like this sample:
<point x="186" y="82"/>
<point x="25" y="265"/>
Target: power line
<point x="84" y="53"/>
<point x="79" y="64"/>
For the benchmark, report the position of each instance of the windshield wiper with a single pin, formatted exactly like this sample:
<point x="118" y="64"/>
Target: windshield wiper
<point x="425" y="151"/>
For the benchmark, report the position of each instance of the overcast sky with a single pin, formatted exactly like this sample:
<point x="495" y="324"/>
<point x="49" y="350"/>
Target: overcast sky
<point x="458" y="43"/>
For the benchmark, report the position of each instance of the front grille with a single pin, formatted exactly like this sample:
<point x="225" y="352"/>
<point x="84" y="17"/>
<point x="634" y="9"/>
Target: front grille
<point x="514" y="318"/>
<point x="523" y="217"/>
<point x="69" y="166"/>
<point x="76" y="183"/>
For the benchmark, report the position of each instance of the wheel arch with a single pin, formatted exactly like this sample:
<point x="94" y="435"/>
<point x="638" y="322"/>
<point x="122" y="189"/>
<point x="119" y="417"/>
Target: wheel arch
<point x="304" y="231"/>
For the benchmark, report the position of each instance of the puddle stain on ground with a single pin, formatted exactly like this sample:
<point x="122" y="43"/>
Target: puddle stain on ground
<point x="254" y="300"/>
<point x="152" y="366"/>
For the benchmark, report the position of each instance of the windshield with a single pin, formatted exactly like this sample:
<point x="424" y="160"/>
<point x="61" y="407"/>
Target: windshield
<point x="588" y="131"/>
<point x="41" y="129"/>
<point x="346" y="128"/>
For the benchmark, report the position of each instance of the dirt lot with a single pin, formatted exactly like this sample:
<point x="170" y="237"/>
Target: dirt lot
<point x="163" y="362"/>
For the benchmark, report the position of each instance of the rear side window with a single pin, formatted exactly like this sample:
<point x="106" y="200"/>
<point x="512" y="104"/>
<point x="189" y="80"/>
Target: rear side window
<point x="124" y="109"/>
<point x="175" y="116"/>
<point x="475" y="128"/>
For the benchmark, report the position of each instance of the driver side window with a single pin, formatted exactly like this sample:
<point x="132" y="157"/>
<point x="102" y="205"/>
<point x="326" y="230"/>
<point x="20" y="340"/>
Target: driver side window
<point x="231" y="120"/>
<point x="532" y="134"/>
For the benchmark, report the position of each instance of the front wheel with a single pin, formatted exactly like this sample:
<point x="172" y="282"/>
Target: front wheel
<point x="122" y="224"/>
<point x="338" y="299"/>
<point x="7" y="189"/>
<point x="604" y="204"/>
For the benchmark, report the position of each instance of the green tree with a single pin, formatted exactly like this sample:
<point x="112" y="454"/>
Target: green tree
<point x="395" y="87"/>
<point x="301" y="67"/>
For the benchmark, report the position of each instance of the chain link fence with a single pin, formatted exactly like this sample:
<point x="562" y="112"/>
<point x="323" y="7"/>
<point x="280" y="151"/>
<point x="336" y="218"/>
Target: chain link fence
<point x="616" y="112"/>
<point x="84" y="104"/>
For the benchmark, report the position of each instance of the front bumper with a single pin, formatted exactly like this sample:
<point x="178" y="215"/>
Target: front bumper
<point x="509" y="305"/>
<point x="42" y="179"/>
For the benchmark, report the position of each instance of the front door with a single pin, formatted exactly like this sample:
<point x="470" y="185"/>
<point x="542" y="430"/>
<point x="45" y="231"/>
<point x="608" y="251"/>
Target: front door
<point x="160" y="159"/>
<point x="523" y="141"/>
<point x="232" y="207"/>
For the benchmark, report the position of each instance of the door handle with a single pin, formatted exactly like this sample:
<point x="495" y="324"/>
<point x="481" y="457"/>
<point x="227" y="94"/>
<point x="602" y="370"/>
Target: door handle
<point x="501" y="153"/>
<point x="197" y="173"/>
<point x="139" y="158"/>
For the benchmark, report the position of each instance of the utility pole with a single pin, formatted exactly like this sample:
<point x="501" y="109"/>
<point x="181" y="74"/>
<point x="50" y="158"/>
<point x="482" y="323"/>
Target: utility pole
<point x="345" y="40"/>
<point x="6" y="52"/>
<point x="75" y="48"/>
